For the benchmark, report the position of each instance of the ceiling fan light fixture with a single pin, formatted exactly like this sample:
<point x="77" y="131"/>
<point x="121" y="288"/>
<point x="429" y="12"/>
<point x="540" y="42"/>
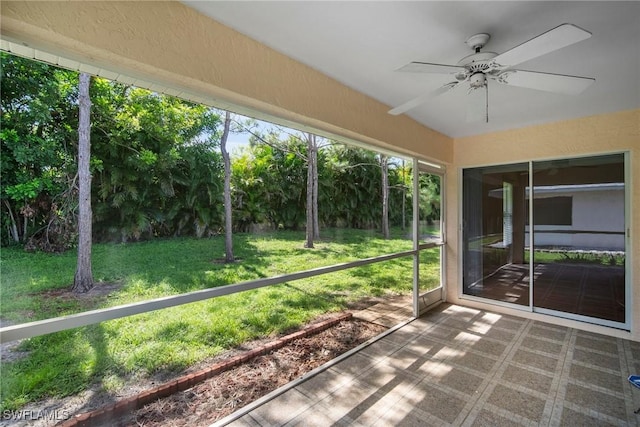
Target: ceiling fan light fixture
<point x="477" y="80"/>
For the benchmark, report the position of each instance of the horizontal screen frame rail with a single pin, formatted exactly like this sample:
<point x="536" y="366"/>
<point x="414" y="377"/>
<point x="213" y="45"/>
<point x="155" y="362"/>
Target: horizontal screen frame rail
<point x="57" y="324"/>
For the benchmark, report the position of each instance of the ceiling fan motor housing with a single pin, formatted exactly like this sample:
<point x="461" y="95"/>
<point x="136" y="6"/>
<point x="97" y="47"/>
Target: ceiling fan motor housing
<point x="478" y="62"/>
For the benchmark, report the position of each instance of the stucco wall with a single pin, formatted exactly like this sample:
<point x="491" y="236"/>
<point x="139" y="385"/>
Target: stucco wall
<point x="592" y="211"/>
<point x="173" y="44"/>
<point x="616" y="132"/>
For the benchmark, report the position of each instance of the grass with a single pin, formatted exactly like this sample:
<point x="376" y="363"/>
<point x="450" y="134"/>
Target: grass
<point x="160" y="343"/>
<point x="604" y="258"/>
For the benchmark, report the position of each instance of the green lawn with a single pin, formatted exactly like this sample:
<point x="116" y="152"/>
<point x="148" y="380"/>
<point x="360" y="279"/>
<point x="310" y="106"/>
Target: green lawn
<point x="168" y="341"/>
<point x="577" y="257"/>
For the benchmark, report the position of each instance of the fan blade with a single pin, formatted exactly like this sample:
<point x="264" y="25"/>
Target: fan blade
<point x="554" y="39"/>
<point x="421" y="99"/>
<point x="478" y="105"/>
<point x="445" y="88"/>
<point x="557" y="83"/>
<point x="426" y="67"/>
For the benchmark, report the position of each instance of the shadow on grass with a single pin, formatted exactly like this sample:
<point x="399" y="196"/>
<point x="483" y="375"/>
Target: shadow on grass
<point x="58" y="365"/>
<point x="386" y="275"/>
<point x="323" y="300"/>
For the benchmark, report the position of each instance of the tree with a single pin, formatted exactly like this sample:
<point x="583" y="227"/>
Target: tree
<point x="313" y="158"/>
<point x="38" y="131"/>
<point x="312" y="193"/>
<point x="384" y="166"/>
<point x="403" y="187"/>
<point x="286" y="158"/>
<point x="228" y="220"/>
<point x="251" y="194"/>
<point x="83" y="280"/>
<point x="153" y="167"/>
<point x="283" y="179"/>
<point x="355" y="190"/>
<point x="429" y="201"/>
<point x="157" y="173"/>
<point x="399" y="178"/>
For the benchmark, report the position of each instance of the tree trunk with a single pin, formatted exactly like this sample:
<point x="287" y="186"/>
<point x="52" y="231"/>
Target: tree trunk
<point x="314" y="162"/>
<point x="309" y="225"/>
<point x="228" y="223"/>
<point x="83" y="280"/>
<point x="404" y="197"/>
<point x="384" y="163"/>
<point x="13" y="228"/>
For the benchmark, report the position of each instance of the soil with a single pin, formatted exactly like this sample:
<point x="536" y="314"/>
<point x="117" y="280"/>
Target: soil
<point x="87" y="300"/>
<point x="223" y="394"/>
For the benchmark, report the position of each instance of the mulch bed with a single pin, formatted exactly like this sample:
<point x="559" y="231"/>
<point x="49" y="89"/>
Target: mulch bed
<point x="229" y="391"/>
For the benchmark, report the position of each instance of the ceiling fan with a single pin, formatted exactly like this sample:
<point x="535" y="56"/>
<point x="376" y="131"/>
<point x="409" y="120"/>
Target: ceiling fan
<point x="475" y="71"/>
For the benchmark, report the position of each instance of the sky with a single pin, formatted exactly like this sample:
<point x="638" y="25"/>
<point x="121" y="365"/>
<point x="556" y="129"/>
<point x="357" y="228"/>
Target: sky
<point x="236" y="141"/>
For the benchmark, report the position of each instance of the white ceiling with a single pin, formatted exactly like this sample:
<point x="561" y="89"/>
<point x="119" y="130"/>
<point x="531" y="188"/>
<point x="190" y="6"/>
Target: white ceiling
<point x="362" y="43"/>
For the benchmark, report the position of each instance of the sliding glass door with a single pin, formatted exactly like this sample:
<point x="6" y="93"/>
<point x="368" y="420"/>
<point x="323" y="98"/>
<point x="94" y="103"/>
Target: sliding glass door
<point x="579" y="237"/>
<point x="548" y="236"/>
<point x="493" y="233"/>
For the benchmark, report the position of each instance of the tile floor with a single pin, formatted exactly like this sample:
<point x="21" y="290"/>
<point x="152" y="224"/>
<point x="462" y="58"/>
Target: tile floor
<point x="458" y="366"/>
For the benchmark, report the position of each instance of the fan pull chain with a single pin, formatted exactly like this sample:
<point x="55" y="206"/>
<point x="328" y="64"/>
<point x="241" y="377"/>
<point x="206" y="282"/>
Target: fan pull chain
<point x="486" y="102"/>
